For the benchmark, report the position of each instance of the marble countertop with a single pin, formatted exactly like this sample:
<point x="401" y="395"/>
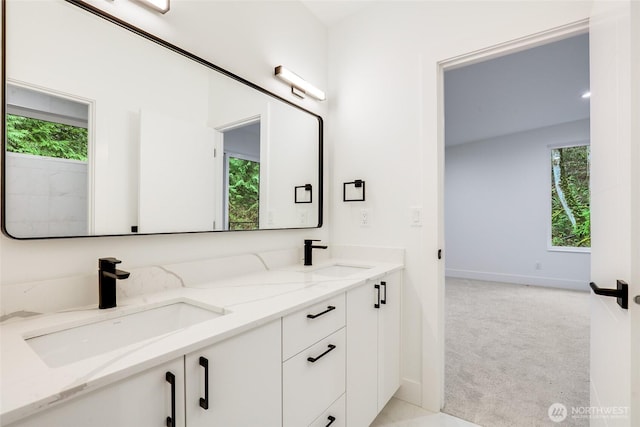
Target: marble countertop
<point x="28" y="384"/>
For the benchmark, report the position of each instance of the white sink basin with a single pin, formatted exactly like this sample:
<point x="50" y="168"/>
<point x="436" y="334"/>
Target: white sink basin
<point x="340" y="270"/>
<point x="70" y="345"/>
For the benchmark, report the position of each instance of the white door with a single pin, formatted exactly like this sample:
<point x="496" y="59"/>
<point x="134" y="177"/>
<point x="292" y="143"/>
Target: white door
<point x="615" y="349"/>
<point x="177" y="175"/>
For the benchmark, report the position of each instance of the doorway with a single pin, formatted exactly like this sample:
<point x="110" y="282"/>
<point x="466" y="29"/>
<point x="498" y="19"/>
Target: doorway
<point x="507" y="119"/>
<point x="241" y="165"/>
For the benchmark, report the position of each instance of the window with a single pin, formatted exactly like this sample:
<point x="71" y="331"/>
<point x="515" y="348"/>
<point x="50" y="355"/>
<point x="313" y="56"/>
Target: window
<point x="37" y="137"/>
<point x="244" y="194"/>
<point x="47" y="146"/>
<point x="242" y="176"/>
<point x="570" y="198"/>
<point x="45" y="125"/>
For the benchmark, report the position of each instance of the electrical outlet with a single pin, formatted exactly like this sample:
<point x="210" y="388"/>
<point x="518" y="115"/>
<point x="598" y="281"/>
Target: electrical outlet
<point x="302" y="217"/>
<point x="538" y="265"/>
<point x="415" y="215"/>
<point x="365" y="217"/>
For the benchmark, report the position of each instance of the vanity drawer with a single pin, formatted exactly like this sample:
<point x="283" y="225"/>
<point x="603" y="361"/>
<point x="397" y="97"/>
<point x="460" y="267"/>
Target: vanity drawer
<point x="335" y="416"/>
<point x="309" y="325"/>
<point x="310" y="387"/>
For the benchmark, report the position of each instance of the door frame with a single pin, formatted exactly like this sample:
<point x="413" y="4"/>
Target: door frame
<point x="469" y="58"/>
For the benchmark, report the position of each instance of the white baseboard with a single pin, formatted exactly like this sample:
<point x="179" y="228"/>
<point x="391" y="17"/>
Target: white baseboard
<point x="550" y="282"/>
<point x="409" y="391"/>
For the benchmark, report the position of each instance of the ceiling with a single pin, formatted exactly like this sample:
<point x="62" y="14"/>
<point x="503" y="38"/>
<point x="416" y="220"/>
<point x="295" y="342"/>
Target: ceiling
<point x="534" y="88"/>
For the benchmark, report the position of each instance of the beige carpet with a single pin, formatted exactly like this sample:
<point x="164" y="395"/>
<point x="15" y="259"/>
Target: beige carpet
<point x="512" y="351"/>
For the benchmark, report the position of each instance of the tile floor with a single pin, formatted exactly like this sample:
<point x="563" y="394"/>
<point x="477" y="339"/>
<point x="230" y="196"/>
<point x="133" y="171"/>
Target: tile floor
<point x="398" y="413"/>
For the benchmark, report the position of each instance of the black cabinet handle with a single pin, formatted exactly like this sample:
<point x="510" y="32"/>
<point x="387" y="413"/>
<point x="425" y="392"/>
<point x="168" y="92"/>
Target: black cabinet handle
<point x="313" y="316"/>
<point x="171" y="379"/>
<point x="384" y="298"/>
<point x="315" y="359"/>
<point x="621" y="292"/>
<point x="377" y="287"/>
<point x="204" y="401"/>
<point x="331" y="420"/>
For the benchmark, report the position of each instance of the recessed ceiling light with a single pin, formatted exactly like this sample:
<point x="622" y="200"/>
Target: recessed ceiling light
<point x="586" y="95"/>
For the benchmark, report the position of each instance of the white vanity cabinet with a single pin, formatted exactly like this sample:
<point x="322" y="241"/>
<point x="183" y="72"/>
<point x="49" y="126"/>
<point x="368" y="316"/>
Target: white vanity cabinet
<point x="373" y="347"/>
<point x="313" y="368"/>
<point x="141" y="400"/>
<point x="244" y="379"/>
<point x="244" y="389"/>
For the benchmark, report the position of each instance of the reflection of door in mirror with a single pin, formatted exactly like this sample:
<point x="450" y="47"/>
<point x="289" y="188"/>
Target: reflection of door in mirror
<point x="177" y="172"/>
<point x="47" y="164"/>
<point x="242" y="177"/>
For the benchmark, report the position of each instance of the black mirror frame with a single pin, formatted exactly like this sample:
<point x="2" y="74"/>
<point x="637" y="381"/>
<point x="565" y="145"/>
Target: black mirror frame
<point x="127" y="26"/>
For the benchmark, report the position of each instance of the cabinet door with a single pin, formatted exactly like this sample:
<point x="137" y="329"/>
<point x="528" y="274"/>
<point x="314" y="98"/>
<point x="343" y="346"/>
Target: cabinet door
<point x="389" y="338"/>
<point x="362" y="355"/>
<point x="143" y="400"/>
<point x="311" y="386"/>
<point x="244" y="379"/>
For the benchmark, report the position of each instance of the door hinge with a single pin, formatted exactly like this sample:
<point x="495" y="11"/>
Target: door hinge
<point x="439" y="253"/>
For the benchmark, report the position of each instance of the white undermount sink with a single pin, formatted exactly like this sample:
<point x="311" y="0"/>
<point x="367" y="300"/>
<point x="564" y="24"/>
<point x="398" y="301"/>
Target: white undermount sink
<point x="70" y="345"/>
<point x="340" y="270"/>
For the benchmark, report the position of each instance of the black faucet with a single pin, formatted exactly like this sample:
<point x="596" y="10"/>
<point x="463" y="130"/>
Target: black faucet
<point x="308" y="247"/>
<point x="107" y="276"/>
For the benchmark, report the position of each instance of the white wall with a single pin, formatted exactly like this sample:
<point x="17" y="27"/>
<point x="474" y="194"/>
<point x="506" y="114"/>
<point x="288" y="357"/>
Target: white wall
<point x="497" y="210"/>
<point x="384" y="127"/>
<point x="247" y="38"/>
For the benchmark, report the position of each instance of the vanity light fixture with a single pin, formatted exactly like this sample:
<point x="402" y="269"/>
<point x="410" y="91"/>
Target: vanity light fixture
<point x="299" y="86"/>
<point x="161" y="6"/>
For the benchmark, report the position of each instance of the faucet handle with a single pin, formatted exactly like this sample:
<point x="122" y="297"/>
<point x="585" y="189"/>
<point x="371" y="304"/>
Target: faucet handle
<point x="108" y="263"/>
<point x="309" y="241"/>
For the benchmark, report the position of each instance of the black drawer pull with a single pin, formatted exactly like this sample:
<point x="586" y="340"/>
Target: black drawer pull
<point x="313" y="316"/>
<point x="314" y="359"/>
<point x="204" y="401"/>
<point x="377" y="304"/>
<point x="171" y="379"/>
<point x="331" y="420"/>
<point x="384" y="298"/>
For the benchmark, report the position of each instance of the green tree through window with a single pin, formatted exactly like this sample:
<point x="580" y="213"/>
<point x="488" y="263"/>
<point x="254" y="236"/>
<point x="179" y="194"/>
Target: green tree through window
<point x="244" y="194"/>
<point x="43" y="138"/>
<point x="570" y="197"/>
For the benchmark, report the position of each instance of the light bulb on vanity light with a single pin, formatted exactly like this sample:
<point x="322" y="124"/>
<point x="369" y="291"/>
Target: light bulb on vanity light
<point x="299" y="86"/>
<point x="161" y="6"/>
<point x="586" y="95"/>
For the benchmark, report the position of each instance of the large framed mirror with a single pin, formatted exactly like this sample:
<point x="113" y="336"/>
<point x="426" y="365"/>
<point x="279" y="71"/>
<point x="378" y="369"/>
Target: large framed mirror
<point x="127" y="134"/>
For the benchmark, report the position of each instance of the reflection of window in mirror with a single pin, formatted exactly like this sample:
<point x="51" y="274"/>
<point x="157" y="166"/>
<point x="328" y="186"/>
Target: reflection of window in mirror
<point x="242" y="177"/>
<point x="47" y="153"/>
